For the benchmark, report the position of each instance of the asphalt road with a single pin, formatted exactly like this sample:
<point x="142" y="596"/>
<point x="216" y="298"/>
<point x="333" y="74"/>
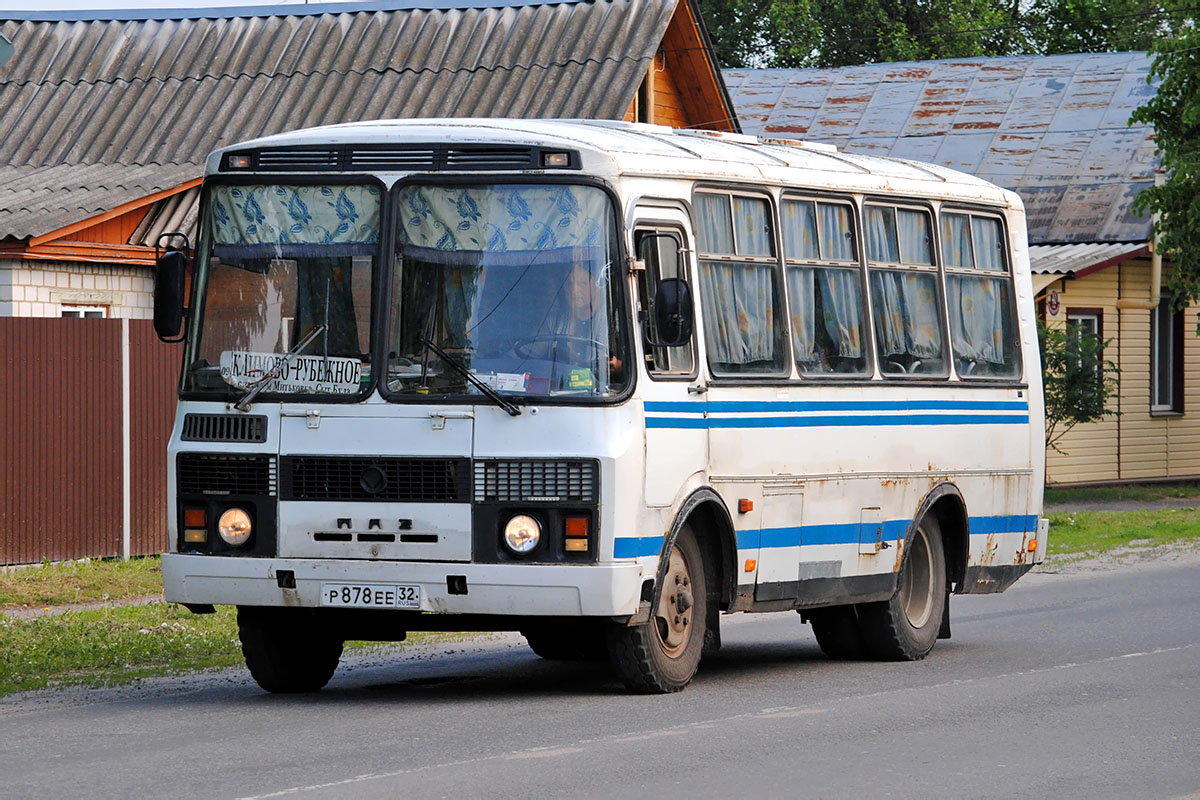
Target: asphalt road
<point x="1083" y="685"/>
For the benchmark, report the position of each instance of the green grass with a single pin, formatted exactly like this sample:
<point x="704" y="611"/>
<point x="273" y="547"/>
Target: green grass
<point x="108" y="646"/>
<point x="1101" y="531"/>
<point x="80" y="582"/>
<point x="114" y="645"/>
<point x="1135" y="491"/>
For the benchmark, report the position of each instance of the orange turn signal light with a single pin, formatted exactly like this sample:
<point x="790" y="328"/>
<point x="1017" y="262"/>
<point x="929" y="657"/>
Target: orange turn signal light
<point x="576" y="527"/>
<point x="1033" y="545"/>
<point x="745" y="506"/>
<point x="751" y="564"/>
<point x="195" y="517"/>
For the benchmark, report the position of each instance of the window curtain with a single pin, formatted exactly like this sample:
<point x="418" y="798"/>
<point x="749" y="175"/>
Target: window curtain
<point x="501" y="218"/>
<point x="800" y="230"/>
<point x="906" y="310"/>
<point x="714" y="224"/>
<point x="843" y="311"/>
<point x="956" y="241"/>
<point x="293" y="219"/>
<point x="802" y="295"/>
<point x="977" y="317"/>
<point x="837" y="240"/>
<point x="739" y="311"/>
<point x="751" y="219"/>
<point x="915" y="241"/>
<point x="986" y="233"/>
<point x="881" y="235"/>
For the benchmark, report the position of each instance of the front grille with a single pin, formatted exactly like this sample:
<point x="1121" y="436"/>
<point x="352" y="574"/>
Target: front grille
<point x="206" y="474"/>
<point x="398" y="158"/>
<point x="409" y="480"/>
<point x="573" y="481"/>
<point x="224" y="428"/>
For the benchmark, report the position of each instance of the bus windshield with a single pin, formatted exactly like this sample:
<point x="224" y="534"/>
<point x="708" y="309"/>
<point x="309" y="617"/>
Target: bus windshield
<point x="283" y="304"/>
<point x="513" y="283"/>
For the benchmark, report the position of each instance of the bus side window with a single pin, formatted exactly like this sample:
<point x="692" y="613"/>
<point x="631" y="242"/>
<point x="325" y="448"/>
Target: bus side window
<point x="979" y="291"/>
<point x="661" y="251"/>
<point x="744" y="328"/>
<point x="904" y="292"/>
<point x="825" y="288"/>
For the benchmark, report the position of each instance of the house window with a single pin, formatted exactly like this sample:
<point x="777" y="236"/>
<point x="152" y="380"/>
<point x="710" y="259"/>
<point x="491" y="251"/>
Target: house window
<point x="84" y="312"/>
<point x="1086" y="322"/>
<point x="1166" y="357"/>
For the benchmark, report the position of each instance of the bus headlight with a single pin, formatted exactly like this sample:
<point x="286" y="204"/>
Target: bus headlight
<point x="522" y="534"/>
<point x="234" y="527"/>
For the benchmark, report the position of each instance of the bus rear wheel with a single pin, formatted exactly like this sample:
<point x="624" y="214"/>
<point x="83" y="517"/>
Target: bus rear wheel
<point x="662" y="654"/>
<point x="286" y="652"/>
<point x="905" y="627"/>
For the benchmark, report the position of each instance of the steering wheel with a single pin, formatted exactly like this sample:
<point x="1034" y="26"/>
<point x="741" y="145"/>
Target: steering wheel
<point x="525" y="347"/>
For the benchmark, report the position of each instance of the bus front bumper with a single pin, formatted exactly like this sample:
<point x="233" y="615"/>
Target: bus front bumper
<point x="593" y="590"/>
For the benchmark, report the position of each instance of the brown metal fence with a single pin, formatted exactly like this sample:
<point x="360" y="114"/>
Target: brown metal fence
<point x="62" y="431"/>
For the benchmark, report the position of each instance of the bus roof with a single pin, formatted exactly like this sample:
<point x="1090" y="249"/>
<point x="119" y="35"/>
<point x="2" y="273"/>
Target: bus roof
<point x="638" y="149"/>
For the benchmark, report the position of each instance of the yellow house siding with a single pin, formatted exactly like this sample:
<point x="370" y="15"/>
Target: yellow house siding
<point x="1089" y="450"/>
<point x="1137" y="444"/>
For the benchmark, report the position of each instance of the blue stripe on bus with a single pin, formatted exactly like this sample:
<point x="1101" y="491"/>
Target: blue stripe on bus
<point x="839" y="533"/>
<point x="742" y="407"/>
<point x="835" y="422"/>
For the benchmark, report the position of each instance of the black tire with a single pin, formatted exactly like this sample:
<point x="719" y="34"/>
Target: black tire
<point x="838" y="633"/>
<point x="286" y="651"/>
<point x="662" y="655"/>
<point x="905" y="627"/>
<point x="583" y="642"/>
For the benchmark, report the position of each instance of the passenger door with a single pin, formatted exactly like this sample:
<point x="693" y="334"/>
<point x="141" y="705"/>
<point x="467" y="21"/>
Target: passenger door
<point x="676" y="437"/>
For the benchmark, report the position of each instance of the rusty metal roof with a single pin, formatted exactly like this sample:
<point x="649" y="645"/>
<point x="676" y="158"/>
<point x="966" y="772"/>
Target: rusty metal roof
<point x="1052" y="128"/>
<point x="100" y="112"/>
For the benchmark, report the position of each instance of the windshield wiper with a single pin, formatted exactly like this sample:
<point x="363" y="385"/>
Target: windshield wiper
<point x="482" y="386"/>
<point x="261" y="383"/>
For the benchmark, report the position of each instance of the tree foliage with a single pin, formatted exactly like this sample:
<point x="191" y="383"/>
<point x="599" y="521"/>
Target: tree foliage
<point x="1078" y="380"/>
<point x="1175" y="114"/>
<point x="835" y="33"/>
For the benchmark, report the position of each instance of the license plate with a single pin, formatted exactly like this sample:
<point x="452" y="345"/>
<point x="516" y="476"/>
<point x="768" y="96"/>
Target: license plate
<point x="371" y="595"/>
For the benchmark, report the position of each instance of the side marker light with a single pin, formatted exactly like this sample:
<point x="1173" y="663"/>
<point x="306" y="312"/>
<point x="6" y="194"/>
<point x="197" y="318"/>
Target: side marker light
<point x="745" y="506"/>
<point x="751" y="564"/>
<point x="1033" y="545"/>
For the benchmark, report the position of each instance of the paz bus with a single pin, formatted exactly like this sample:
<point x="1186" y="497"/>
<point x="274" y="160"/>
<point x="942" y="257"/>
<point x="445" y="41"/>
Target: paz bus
<point x="599" y="383"/>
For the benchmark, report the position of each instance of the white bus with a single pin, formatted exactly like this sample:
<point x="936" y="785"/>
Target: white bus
<point x="598" y="383"/>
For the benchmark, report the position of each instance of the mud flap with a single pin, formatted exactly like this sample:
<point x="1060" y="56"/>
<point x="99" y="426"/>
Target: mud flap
<point x="944" y="631"/>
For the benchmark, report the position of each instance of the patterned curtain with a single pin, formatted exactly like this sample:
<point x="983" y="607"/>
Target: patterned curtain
<point x="714" y="224"/>
<point x="988" y="252"/>
<point x="907" y="314"/>
<point x="840" y="294"/>
<point x="802" y="296"/>
<point x="752" y="221"/>
<point x="502" y="218"/>
<point x="249" y="216"/>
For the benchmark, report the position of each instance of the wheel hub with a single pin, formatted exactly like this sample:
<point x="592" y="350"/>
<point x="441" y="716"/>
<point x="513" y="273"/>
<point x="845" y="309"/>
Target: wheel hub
<point x="675" y="606"/>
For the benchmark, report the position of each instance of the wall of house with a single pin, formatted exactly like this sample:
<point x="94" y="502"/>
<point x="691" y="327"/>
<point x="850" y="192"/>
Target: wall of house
<point x="43" y="288"/>
<point x="1137" y="444"/>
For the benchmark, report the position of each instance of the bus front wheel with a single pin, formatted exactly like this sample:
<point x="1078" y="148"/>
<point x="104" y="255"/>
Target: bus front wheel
<point x="285" y="651"/>
<point x="905" y="627"/>
<point x="662" y="654"/>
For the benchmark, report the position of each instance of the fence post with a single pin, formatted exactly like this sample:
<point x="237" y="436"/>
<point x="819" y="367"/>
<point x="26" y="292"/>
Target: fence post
<point x="126" y="445"/>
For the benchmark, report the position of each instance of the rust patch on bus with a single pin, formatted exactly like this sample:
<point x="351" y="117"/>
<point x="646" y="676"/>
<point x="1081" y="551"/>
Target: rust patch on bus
<point x="899" y="552"/>
<point x="989" y="551"/>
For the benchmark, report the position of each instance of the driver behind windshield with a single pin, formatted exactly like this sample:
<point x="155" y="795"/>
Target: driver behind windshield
<point x="577" y="324"/>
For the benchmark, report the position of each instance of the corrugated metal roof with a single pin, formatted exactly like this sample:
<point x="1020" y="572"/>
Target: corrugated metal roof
<point x="119" y="95"/>
<point x="1071" y="259"/>
<point x="1051" y="128"/>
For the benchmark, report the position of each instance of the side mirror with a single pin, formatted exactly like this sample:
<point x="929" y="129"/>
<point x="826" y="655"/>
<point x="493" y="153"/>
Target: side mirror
<point x="168" y="295"/>
<point x="673" y="313"/>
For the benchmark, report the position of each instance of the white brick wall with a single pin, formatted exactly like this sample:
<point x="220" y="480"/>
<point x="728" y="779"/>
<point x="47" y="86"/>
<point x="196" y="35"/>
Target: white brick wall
<point x="43" y="288"/>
